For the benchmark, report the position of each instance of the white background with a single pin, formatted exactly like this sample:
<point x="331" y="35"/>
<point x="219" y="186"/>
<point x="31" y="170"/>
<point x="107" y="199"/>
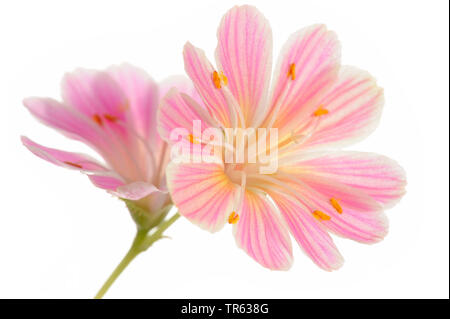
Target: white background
<point x="61" y="237"/>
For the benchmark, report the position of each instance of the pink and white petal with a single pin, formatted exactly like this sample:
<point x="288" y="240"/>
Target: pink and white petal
<point x="315" y="51"/>
<point x="69" y="121"/>
<point x="244" y="54"/>
<point x="135" y="190"/>
<point x="378" y="176"/>
<point x="261" y="233"/>
<point x="183" y="84"/>
<point x="200" y="70"/>
<point x="143" y="98"/>
<point x="94" y="93"/>
<point x="354" y="104"/>
<point x="308" y="232"/>
<point x="178" y="110"/>
<point x="202" y="192"/>
<point x="106" y="181"/>
<point x="362" y="218"/>
<point x="142" y="95"/>
<point x="71" y="160"/>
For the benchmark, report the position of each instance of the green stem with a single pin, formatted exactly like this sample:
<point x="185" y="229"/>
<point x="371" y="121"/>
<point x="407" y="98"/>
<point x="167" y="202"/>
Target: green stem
<point x="141" y="242"/>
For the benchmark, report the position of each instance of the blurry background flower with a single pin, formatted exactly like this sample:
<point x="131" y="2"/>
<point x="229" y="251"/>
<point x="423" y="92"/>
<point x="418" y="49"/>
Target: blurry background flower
<point x="114" y="112"/>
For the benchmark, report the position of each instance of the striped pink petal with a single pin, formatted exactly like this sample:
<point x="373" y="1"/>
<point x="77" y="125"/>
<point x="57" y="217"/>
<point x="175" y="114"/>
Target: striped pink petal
<point x="261" y="233"/>
<point x="182" y="83"/>
<point x="201" y="71"/>
<point x="100" y="175"/>
<point x="94" y="93"/>
<point x="244" y="54"/>
<point x="202" y="192"/>
<point x="309" y="233"/>
<point x="178" y="110"/>
<point x="315" y="52"/>
<point x="67" y="120"/>
<point x="354" y="106"/>
<point x="71" y="160"/>
<point x="361" y="219"/>
<point x="135" y="190"/>
<point x="378" y="176"/>
<point x="141" y="94"/>
<point x="108" y="182"/>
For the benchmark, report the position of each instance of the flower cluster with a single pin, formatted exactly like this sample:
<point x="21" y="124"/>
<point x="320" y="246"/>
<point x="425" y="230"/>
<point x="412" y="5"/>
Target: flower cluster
<point x="235" y="119"/>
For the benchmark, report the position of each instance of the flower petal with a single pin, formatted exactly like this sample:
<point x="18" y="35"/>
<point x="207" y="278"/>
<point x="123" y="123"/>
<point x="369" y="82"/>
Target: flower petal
<point x="261" y="233"/>
<point x="76" y="161"/>
<point x="362" y="218"/>
<point x="135" y="190"/>
<point x="354" y="106"/>
<point x="99" y="175"/>
<point x="182" y="83"/>
<point x="70" y="122"/>
<point x="94" y="93"/>
<point x="142" y="95"/>
<point x="377" y="176"/>
<point x="244" y="54"/>
<point x="315" y="52"/>
<point x="202" y="192"/>
<point x="178" y="110"/>
<point x="309" y="233"/>
<point x="108" y="182"/>
<point x="200" y="70"/>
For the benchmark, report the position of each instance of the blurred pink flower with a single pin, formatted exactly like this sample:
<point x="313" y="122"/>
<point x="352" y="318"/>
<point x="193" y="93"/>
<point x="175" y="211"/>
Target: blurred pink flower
<point x="114" y="112"/>
<point x="317" y="105"/>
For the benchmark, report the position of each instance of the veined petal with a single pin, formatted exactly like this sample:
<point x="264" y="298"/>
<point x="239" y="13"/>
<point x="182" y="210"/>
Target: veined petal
<point x="71" y="160"/>
<point x="354" y="106"/>
<point x="99" y="97"/>
<point x="244" y="54"/>
<point x="95" y="94"/>
<point x="70" y="122"/>
<point x="178" y="110"/>
<point x="142" y="96"/>
<point x="99" y="175"/>
<point x="309" y="233"/>
<point x="261" y="233"/>
<point x="202" y="192"/>
<point x="135" y="190"/>
<point x="201" y="72"/>
<point x="182" y="83"/>
<point x="378" y="176"/>
<point x="307" y="67"/>
<point x="106" y="181"/>
<point x="361" y="219"/>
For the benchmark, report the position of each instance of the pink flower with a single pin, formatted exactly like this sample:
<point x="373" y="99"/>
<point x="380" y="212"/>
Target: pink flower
<point x="317" y="105"/>
<point x="114" y="112"/>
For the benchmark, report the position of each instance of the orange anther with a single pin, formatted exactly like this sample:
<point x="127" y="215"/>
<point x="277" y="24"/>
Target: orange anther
<point x="291" y="72"/>
<point x="216" y="80"/>
<point x="224" y="78"/>
<point x="110" y="118"/>
<point x="97" y="119"/>
<point x="321" y="111"/>
<point x="73" y="164"/>
<point x="191" y="138"/>
<point x="233" y="218"/>
<point x="336" y="205"/>
<point x="321" y="215"/>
